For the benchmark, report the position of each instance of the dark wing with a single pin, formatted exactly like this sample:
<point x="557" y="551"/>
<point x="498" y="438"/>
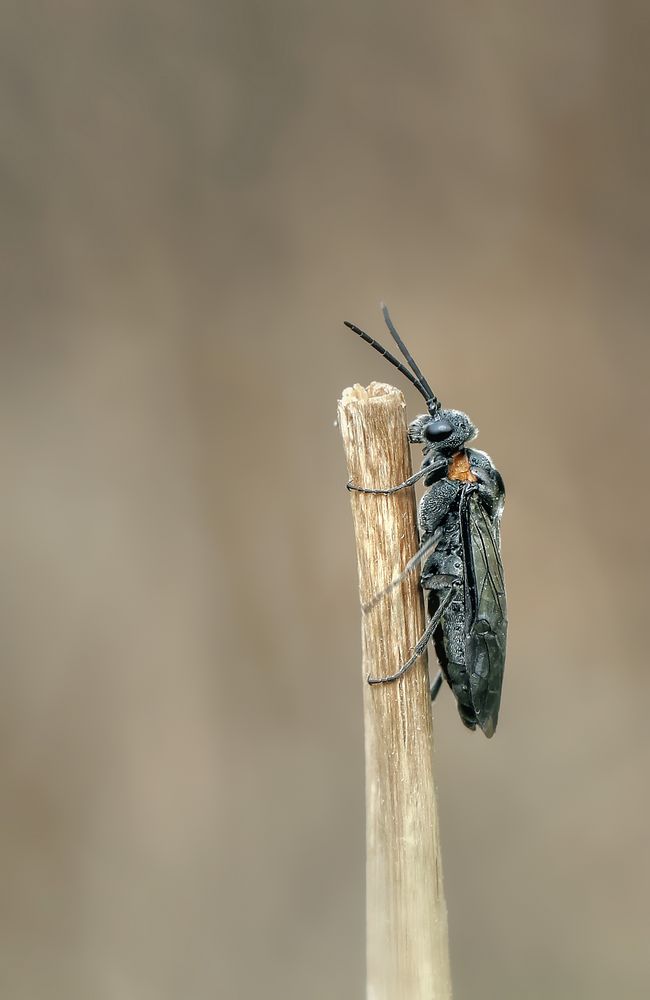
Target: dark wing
<point x="487" y="623"/>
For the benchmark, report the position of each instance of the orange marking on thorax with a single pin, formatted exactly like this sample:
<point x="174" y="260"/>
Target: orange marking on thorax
<point x="459" y="468"/>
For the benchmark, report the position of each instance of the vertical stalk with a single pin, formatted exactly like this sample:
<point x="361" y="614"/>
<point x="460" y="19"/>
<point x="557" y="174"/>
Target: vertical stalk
<point x="406" y="914"/>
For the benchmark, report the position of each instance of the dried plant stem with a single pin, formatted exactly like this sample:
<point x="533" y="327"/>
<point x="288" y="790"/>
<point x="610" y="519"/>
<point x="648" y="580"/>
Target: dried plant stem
<point x="407" y="941"/>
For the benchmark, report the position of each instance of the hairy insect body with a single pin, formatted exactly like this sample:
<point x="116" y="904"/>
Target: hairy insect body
<point x="444" y="517"/>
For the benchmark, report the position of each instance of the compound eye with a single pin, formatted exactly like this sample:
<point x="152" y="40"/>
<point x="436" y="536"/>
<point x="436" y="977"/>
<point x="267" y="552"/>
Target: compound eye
<point x="437" y="430"/>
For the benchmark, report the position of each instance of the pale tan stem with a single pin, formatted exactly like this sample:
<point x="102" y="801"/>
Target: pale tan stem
<point x="407" y="940"/>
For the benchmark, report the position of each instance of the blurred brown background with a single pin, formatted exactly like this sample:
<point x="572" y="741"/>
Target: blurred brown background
<point x="194" y="196"/>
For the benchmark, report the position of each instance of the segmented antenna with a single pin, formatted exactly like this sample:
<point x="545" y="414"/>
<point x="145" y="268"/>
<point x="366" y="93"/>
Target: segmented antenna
<point x="432" y="399"/>
<point x="389" y="357"/>
<point x="416" y="378"/>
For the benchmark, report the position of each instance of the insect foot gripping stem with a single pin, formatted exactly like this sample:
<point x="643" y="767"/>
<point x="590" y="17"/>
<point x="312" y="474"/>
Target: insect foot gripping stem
<point x="421" y="644"/>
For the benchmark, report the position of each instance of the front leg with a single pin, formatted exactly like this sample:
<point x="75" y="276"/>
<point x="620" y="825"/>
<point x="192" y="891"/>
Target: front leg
<point x="432" y="469"/>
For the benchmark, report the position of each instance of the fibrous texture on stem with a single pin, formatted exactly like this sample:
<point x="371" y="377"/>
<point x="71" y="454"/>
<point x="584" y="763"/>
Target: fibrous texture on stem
<point x="407" y="941"/>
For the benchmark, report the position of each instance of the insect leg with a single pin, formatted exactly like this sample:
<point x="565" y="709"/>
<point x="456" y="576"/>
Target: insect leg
<point x="430" y="469"/>
<point x="393" y="489"/>
<point x="422" y="642"/>
<point x="436" y="685"/>
<point x="410" y="566"/>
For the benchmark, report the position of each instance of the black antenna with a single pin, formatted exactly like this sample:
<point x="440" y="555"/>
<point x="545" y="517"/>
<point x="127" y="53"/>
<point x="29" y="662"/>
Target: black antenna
<point x="389" y="357"/>
<point x="432" y="399"/>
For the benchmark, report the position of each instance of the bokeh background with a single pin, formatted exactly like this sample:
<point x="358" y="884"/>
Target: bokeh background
<point x="194" y="196"/>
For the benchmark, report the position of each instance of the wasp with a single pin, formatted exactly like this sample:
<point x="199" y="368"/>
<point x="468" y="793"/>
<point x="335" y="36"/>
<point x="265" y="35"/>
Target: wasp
<point x="459" y="517"/>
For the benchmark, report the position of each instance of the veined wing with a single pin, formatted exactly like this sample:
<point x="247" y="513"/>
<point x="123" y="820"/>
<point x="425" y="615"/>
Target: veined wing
<point x="487" y="621"/>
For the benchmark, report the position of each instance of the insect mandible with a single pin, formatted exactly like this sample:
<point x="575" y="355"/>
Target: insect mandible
<point x="459" y="519"/>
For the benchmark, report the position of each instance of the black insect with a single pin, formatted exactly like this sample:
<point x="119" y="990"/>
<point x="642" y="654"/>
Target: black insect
<point x="459" y="518"/>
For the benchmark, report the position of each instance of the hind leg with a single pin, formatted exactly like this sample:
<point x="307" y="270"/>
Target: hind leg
<point x="424" y="639"/>
<point x="436" y="685"/>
